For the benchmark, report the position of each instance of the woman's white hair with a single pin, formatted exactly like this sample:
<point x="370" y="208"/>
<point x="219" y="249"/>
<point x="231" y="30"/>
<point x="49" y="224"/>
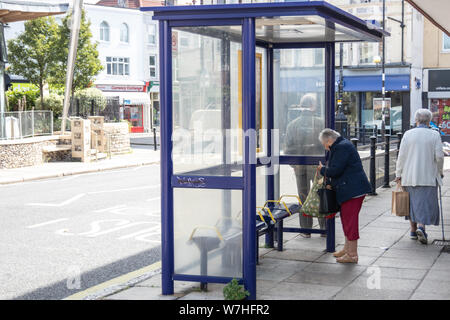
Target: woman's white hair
<point x="327" y="134"/>
<point x="423" y="116"/>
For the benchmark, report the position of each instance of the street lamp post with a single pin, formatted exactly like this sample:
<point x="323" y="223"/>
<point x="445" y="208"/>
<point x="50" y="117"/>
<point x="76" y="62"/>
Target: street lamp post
<point x="74" y="33"/>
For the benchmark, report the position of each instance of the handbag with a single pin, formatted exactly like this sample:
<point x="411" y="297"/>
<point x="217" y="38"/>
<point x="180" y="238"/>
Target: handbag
<point x="327" y="199"/>
<point x="400" y="202"/>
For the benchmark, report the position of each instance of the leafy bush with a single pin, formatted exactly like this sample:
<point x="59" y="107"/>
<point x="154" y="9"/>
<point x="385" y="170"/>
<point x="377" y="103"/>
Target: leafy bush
<point x="88" y="97"/>
<point x="52" y="102"/>
<point x="235" y="291"/>
<point x="15" y="95"/>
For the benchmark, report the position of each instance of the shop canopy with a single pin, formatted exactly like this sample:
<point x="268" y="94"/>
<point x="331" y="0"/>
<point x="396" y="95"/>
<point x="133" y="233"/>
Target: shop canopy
<point x="436" y="11"/>
<point x="17" y="10"/>
<point x="312" y="21"/>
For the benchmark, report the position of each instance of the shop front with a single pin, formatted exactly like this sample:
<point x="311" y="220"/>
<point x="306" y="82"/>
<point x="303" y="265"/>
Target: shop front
<point x="134" y="103"/>
<point x="439" y="99"/>
<point x="362" y="101"/>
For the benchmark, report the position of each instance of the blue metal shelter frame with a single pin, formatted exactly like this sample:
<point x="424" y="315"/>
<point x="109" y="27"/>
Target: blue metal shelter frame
<point x="244" y="15"/>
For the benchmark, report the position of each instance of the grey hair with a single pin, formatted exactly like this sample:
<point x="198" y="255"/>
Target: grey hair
<point x="423" y="116"/>
<point x="327" y="134"/>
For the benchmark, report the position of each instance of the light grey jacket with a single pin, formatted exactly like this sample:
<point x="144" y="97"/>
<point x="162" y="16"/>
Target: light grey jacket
<point x="421" y="158"/>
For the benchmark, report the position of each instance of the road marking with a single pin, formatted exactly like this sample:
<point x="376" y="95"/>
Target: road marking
<point x="46" y="223"/>
<point x="120" y="227"/>
<point x="153" y="199"/>
<point x="68" y="201"/>
<point x="114" y="282"/>
<point x="110" y="208"/>
<point x="126" y="189"/>
<point x="138" y="233"/>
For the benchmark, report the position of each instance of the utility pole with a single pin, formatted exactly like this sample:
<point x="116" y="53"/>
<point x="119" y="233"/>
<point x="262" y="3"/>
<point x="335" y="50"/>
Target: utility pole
<point x="74" y="33"/>
<point x="383" y="77"/>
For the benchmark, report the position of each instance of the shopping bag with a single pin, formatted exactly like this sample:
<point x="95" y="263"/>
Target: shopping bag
<point x="311" y="205"/>
<point x="400" y="202"/>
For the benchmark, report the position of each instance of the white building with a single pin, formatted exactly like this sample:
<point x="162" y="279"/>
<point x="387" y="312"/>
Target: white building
<point x="128" y="50"/>
<point x="128" y="47"/>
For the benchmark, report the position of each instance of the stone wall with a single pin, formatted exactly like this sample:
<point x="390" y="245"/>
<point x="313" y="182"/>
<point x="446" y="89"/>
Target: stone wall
<point x="23" y="152"/>
<point x="118" y="136"/>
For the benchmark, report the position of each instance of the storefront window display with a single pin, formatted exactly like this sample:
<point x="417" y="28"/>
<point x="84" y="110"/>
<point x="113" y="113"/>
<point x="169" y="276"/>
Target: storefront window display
<point x="441" y="114"/>
<point x="350" y="106"/>
<point x="371" y="110"/>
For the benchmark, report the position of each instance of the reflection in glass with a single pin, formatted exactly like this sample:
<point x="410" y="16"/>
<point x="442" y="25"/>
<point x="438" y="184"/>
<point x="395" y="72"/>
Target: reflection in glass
<point x="205" y="101"/>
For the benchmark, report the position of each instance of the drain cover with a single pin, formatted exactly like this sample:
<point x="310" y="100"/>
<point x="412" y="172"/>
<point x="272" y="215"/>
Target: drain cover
<point x="446" y="249"/>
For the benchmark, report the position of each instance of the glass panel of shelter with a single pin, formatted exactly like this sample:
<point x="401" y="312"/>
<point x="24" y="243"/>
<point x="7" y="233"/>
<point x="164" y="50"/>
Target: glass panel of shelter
<point x="207" y="116"/>
<point x="299" y="115"/>
<point x="207" y="138"/>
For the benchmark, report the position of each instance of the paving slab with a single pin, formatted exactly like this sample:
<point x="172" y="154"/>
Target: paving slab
<point x="299" y="291"/>
<point x="278" y="269"/>
<point x="404" y="263"/>
<point x="296" y="254"/>
<point x="358" y="293"/>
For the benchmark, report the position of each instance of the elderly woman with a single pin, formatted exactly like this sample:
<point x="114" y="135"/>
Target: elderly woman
<point x="420" y="170"/>
<point x="344" y="173"/>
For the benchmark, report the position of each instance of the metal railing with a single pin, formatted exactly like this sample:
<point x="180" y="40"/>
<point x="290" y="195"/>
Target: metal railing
<point x="24" y="124"/>
<point x="380" y="161"/>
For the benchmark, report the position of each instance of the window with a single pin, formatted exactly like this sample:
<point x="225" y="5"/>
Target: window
<point x="445" y="42"/>
<point x="104" y="31"/>
<point x="118" y="66"/>
<point x="318" y="57"/>
<point x="152" y="65"/>
<point x="124" y="33"/>
<point x="122" y="3"/>
<point x="151" y="30"/>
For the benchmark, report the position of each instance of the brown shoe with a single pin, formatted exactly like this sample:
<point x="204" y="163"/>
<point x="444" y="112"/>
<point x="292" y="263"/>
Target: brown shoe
<point x="346" y="258"/>
<point x="339" y="254"/>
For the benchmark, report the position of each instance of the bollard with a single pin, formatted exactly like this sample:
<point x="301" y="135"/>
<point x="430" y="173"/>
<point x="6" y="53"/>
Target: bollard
<point x="386" y="160"/>
<point x="355" y="143"/>
<point x="373" y="178"/>
<point x="154" y="139"/>
<point x="364" y="135"/>
<point x="92" y="108"/>
<point x="399" y="135"/>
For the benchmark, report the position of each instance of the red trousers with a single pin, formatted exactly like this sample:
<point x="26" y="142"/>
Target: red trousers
<point x="349" y="217"/>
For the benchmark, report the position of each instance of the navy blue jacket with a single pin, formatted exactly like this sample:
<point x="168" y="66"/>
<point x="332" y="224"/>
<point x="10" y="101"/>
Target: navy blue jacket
<point x="345" y="172"/>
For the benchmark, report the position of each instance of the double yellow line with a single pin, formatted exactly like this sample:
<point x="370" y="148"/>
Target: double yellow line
<point x="113" y="282"/>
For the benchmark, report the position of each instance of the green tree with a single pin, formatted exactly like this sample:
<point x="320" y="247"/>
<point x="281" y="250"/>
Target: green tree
<point x="87" y="64"/>
<point x="31" y="54"/>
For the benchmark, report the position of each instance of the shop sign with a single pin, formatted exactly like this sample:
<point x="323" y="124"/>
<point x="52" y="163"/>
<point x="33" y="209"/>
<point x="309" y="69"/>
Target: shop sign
<point x="441" y="114"/>
<point x="438" y="80"/>
<point x="120" y="88"/>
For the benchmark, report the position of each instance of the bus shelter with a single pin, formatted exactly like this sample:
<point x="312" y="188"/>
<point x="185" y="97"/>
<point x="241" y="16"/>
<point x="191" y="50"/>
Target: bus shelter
<point x="245" y="90"/>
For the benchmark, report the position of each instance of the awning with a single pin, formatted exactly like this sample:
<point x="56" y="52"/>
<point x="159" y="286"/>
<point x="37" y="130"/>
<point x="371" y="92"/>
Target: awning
<point x="17" y="10"/>
<point x="351" y="83"/>
<point x="130" y="98"/>
<point x="373" y="83"/>
<point x="436" y="11"/>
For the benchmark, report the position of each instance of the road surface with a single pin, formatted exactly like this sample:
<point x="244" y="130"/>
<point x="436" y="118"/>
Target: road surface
<point x="60" y="236"/>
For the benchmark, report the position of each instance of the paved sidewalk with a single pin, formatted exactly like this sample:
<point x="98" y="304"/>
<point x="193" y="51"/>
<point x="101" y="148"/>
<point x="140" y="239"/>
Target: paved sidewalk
<point x="407" y="269"/>
<point x="138" y="157"/>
